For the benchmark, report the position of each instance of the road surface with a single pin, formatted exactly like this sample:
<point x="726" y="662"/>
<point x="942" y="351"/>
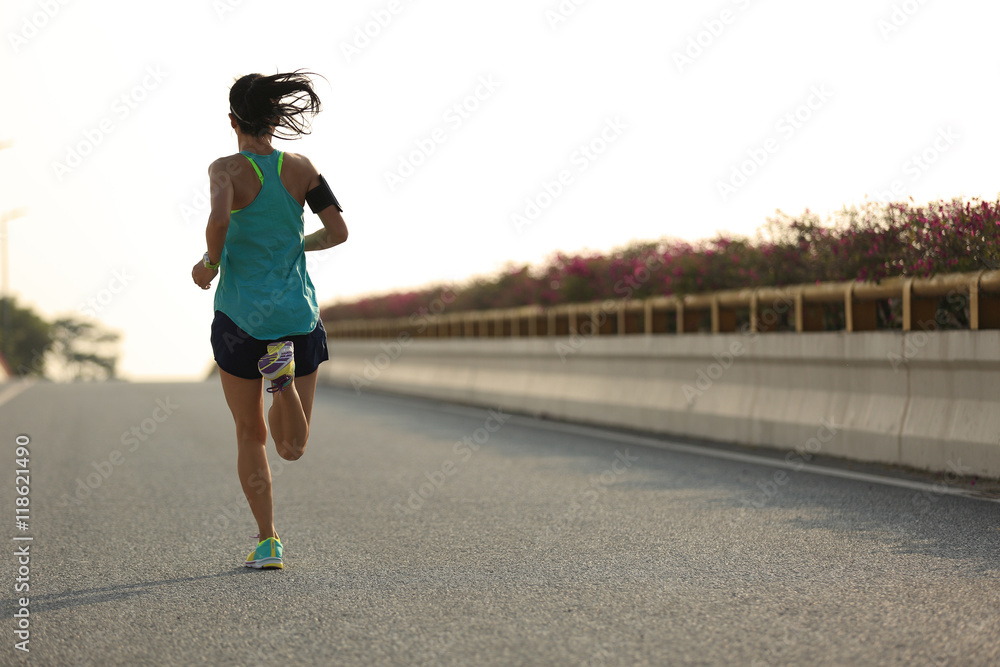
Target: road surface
<point x="421" y="533"/>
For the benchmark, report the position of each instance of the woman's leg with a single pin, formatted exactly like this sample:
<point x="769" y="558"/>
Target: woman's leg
<point x="306" y="386"/>
<point x="289" y="417"/>
<point x="247" y="405"/>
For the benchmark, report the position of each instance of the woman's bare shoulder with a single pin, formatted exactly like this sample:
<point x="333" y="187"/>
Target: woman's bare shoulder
<point x="230" y="164"/>
<point x="299" y="162"/>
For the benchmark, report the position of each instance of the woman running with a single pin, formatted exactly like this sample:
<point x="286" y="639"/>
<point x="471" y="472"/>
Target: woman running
<point x="267" y="324"/>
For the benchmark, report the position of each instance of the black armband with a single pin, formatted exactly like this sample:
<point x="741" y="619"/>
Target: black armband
<point x="321" y="196"/>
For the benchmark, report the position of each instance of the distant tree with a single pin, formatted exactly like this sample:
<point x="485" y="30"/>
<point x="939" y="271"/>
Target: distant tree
<point x="25" y="338"/>
<point x="85" y="350"/>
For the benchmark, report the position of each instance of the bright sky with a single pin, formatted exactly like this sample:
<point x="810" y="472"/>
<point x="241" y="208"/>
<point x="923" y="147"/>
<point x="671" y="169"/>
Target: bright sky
<point x="642" y="109"/>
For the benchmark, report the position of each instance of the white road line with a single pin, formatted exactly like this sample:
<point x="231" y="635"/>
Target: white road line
<point x="939" y="489"/>
<point x="14" y="389"/>
<point x="695" y="450"/>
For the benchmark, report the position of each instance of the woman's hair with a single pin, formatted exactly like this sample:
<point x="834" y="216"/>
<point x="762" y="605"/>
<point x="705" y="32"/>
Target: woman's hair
<point x="278" y="104"/>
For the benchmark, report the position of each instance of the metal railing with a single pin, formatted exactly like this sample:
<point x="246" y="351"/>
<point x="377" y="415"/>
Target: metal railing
<point x="848" y="306"/>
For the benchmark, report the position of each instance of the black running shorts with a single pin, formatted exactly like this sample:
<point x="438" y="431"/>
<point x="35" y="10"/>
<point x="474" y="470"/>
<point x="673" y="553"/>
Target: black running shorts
<point x="237" y="352"/>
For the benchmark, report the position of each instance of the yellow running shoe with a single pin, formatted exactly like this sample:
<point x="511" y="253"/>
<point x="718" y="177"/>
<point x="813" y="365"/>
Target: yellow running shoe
<point x="278" y="365"/>
<point x="266" y="555"/>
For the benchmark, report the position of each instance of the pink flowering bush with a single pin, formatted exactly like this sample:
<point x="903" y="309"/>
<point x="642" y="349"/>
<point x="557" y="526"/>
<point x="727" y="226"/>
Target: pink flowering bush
<point x="872" y="242"/>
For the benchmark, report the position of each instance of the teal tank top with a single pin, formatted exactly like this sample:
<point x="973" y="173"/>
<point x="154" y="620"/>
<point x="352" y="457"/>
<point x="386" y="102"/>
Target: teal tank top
<point x="263" y="284"/>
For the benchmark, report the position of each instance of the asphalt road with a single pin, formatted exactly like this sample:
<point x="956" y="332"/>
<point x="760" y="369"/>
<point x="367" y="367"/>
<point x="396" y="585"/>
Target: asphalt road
<point x="527" y="543"/>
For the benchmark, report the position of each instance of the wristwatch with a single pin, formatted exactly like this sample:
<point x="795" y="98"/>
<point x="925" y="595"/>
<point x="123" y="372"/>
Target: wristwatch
<point x="208" y="263"/>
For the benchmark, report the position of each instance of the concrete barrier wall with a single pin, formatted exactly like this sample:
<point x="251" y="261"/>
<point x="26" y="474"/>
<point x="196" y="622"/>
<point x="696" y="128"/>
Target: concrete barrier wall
<point x="930" y="400"/>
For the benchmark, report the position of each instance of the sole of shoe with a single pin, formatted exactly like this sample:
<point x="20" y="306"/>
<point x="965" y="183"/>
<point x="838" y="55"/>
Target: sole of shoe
<point x="267" y="367"/>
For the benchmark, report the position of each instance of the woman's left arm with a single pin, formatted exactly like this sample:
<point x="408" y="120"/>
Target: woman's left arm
<point x="218" y="222"/>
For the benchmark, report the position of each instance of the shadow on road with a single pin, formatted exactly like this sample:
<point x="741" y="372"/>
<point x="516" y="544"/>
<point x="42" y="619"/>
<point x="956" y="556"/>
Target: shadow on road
<point x="89" y="596"/>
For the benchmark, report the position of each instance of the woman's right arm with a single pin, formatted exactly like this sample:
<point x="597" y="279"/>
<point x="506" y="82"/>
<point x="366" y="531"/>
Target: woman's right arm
<point x="222" y="202"/>
<point x="218" y="223"/>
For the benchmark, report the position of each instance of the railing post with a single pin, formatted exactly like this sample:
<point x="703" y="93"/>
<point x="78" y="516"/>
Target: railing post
<point x="908" y="304"/>
<point x="974" y="301"/>
<point x="849" y="307"/>
<point x="800" y="316"/>
<point x="647" y="323"/>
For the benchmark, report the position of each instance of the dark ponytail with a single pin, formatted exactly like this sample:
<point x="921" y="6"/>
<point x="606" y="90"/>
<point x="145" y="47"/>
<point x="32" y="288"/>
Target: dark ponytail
<point x="278" y="104"/>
